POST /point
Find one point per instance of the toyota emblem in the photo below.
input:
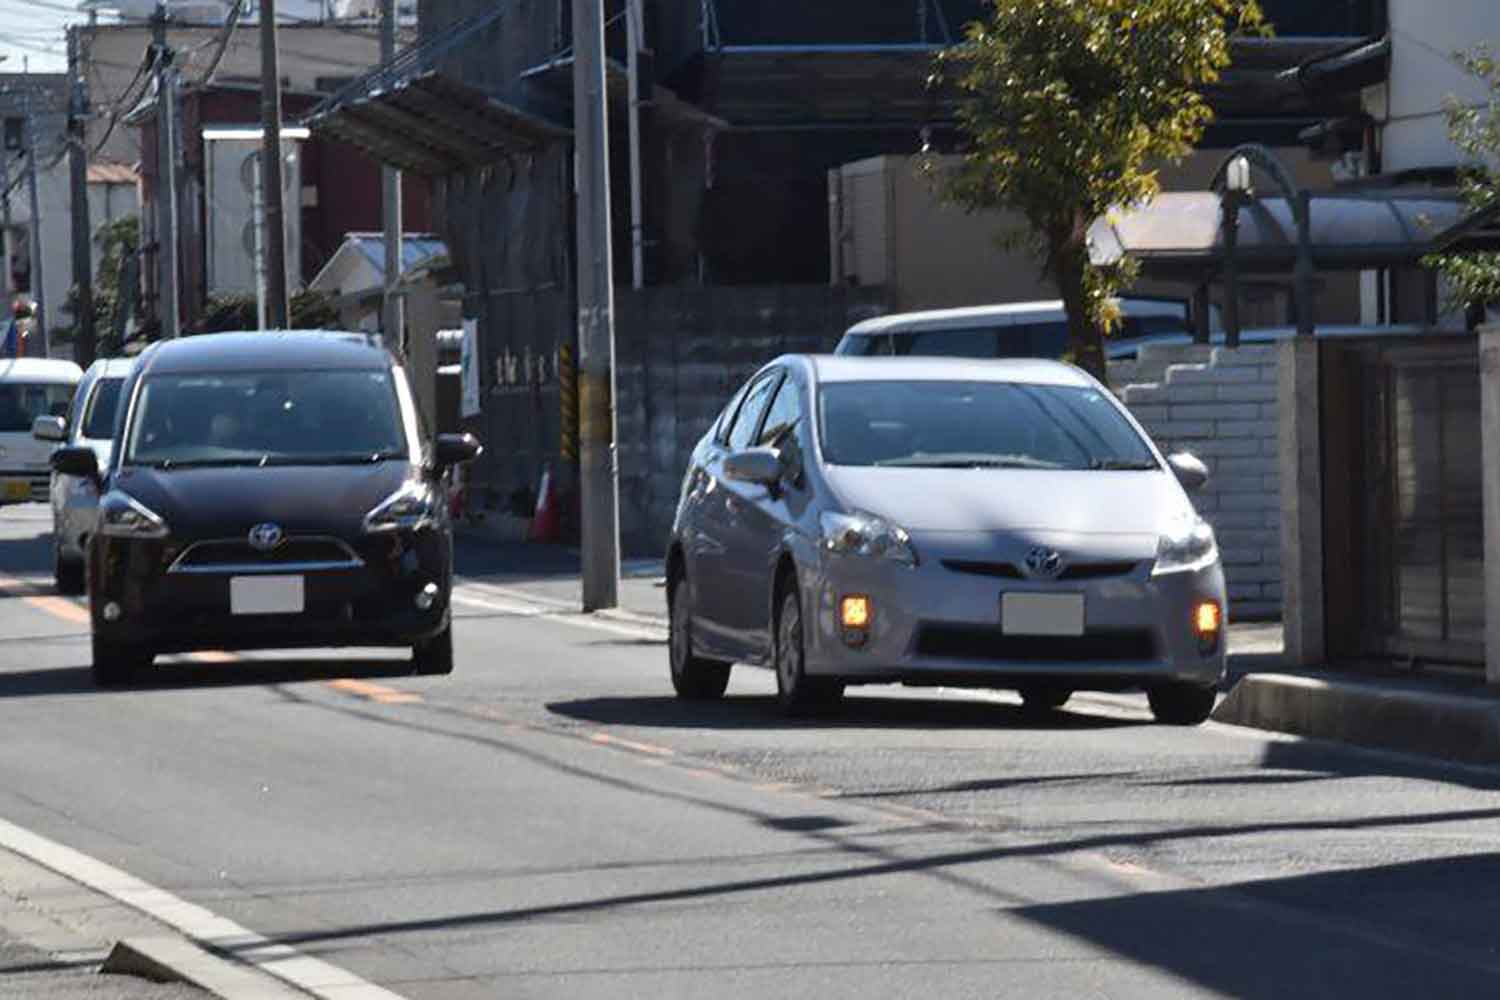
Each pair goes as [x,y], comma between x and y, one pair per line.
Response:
[1044,564]
[266,537]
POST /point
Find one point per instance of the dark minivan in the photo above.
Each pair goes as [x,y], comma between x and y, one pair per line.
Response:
[269,491]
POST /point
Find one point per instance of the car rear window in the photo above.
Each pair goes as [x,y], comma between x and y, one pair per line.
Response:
[99,421]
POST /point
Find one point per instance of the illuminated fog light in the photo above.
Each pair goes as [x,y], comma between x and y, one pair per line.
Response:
[113,612]
[855,612]
[1207,619]
[426,597]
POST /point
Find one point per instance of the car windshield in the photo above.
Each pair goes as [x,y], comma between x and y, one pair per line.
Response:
[977,425]
[99,422]
[22,402]
[266,418]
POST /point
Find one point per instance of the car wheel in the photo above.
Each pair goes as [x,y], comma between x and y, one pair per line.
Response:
[693,677]
[1179,704]
[1039,699]
[116,664]
[68,573]
[797,693]
[435,655]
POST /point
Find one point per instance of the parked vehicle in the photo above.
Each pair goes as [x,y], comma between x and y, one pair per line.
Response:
[30,388]
[75,502]
[942,522]
[269,491]
[1012,330]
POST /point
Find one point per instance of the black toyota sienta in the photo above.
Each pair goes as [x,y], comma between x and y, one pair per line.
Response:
[270,491]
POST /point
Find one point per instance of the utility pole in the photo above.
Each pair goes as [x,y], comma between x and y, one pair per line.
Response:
[393,318]
[5,231]
[277,314]
[38,292]
[169,299]
[85,347]
[598,474]
[634,31]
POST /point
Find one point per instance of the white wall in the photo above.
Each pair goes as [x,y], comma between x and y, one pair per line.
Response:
[1424,38]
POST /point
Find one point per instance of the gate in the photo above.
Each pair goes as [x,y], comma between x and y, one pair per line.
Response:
[1404,512]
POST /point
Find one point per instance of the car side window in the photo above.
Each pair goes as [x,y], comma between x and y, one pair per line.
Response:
[785,411]
[748,420]
[75,411]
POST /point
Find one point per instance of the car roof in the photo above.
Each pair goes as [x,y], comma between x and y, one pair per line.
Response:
[936,319]
[39,369]
[111,367]
[278,350]
[830,368]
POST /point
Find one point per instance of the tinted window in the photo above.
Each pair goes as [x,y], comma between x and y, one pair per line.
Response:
[99,422]
[783,415]
[862,346]
[267,418]
[22,402]
[748,418]
[977,342]
[968,424]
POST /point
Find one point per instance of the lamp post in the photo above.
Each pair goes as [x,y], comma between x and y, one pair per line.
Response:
[1237,192]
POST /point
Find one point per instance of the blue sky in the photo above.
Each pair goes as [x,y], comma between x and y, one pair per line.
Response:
[34,30]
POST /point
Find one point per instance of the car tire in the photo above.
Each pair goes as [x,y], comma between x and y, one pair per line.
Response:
[68,573]
[1040,699]
[798,694]
[1181,704]
[117,664]
[434,656]
[693,677]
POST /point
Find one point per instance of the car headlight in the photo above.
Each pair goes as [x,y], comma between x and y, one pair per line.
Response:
[410,508]
[867,535]
[1186,549]
[123,516]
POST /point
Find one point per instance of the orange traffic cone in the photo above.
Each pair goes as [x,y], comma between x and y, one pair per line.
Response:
[546,522]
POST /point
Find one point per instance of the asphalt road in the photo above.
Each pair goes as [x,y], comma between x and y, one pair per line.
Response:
[549,822]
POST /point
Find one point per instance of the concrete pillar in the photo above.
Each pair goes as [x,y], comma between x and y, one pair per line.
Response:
[1300,454]
[1489,428]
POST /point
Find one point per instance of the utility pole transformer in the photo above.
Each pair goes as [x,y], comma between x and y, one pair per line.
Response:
[393,318]
[85,347]
[598,472]
[169,310]
[278,316]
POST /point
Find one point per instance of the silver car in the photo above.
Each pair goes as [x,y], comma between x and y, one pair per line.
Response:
[75,500]
[929,521]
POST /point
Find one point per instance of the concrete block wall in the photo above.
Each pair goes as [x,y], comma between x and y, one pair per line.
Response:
[1221,405]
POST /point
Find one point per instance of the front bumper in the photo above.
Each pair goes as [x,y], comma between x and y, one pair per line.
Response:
[372,604]
[932,625]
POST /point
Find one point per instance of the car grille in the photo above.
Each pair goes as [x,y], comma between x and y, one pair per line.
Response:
[1008,571]
[990,645]
[299,554]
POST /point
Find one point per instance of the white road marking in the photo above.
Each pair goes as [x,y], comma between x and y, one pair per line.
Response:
[468,597]
[311,975]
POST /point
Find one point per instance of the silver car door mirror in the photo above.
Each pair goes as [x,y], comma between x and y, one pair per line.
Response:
[1190,471]
[761,466]
[49,429]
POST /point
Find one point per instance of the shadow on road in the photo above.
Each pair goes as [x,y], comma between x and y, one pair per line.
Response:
[855,712]
[178,676]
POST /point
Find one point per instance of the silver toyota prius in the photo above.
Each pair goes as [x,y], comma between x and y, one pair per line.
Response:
[928,521]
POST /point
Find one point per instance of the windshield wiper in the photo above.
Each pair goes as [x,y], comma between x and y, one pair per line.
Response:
[976,462]
[168,464]
[372,458]
[1124,464]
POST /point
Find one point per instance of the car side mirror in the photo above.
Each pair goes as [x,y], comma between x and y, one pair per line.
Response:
[761,466]
[76,461]
[1190,471]
[455,449]
[49,429]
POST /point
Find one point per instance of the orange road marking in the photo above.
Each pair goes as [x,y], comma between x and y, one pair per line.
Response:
[647,748]
[375,692]
[60,607]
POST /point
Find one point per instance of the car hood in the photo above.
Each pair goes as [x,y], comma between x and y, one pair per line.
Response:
[228,502]
[1019,501]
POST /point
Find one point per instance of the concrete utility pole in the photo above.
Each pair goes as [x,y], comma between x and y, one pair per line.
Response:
[278,315]
[169,299]
[5,229]
[393,318]
[38,290]
[85,347]
[598,475]
[634,31]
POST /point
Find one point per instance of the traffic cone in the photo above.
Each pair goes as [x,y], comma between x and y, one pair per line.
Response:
[546,522]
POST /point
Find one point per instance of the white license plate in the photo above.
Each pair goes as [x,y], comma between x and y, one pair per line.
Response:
[1041,614]
[266,595]
[17,489]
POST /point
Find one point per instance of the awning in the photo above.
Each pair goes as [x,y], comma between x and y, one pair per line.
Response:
[431,124]
[1179,236]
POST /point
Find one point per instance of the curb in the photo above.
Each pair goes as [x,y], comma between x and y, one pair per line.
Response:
[177,960]
[1446,726]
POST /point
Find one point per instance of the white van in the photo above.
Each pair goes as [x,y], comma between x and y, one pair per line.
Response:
[1013,330]
[30,388]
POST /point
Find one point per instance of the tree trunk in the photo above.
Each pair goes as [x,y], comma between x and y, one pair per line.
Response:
[1085,336]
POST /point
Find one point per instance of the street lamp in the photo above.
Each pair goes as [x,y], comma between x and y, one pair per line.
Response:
[1237,192]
